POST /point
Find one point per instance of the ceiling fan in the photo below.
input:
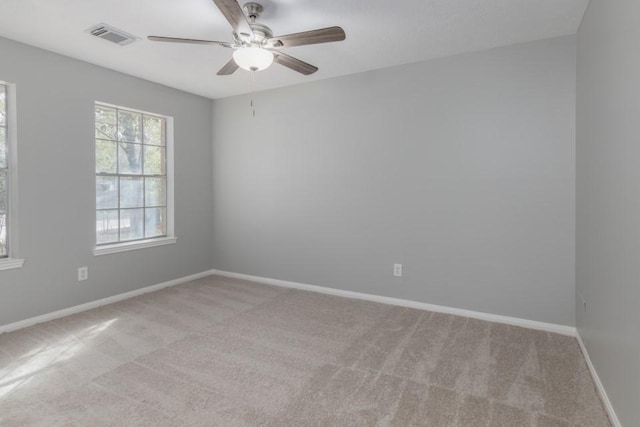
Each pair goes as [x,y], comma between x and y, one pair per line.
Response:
[255,47]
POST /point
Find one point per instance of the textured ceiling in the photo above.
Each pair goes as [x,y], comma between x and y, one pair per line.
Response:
[379,34]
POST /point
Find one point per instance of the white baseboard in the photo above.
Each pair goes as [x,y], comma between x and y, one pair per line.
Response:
[531,324]
[98,303]
[525,323]
[596,379]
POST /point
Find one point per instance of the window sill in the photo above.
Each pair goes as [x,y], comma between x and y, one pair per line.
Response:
[132,246]
[9,263]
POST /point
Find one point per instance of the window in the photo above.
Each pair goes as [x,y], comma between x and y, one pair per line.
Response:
[133,183]
[4,174]
[8,179]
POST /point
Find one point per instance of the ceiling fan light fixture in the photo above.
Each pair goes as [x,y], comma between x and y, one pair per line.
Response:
[253,58]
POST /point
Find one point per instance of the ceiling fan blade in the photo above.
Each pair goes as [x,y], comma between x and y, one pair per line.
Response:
[293,63]
[228,68]
[234,14]
[190,41]
[322,35]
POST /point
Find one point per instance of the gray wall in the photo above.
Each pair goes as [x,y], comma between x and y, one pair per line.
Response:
[462,169]
[608,198]
[57,191]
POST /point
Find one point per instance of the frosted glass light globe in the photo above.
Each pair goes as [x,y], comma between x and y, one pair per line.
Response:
[253,58]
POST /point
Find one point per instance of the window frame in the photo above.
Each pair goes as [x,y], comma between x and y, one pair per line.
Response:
[12,260]
[170,237]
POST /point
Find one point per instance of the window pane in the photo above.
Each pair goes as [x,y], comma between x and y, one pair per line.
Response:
[4,190]
[155,222]
[3,148]
[105,131]
[155,191]
[3,235]
[106,226]
[131,193]
[129,158]
[105,123]
[4,194]
[153,130]
[106,192]
[3,105]
[154,160]
[131,224]
[3,177]
[105,115]
[129,126]
[106,152]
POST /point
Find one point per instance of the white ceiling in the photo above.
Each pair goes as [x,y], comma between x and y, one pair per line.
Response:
[380,33]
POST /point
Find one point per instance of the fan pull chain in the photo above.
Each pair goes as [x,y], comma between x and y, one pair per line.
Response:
[253,91]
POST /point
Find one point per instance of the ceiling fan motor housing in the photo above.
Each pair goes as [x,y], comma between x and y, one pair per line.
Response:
[261,32]
[252,10]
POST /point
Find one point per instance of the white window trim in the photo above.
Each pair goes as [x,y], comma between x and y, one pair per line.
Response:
[132,246]
[13,261]
[170,238]
[10,263]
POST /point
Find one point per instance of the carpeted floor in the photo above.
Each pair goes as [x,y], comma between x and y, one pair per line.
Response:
[224,352]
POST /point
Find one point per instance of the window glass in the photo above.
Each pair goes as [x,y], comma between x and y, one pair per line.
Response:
[131,175]
[4,175]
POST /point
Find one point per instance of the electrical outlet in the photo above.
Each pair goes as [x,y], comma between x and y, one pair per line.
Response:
[397,270]
[83,274]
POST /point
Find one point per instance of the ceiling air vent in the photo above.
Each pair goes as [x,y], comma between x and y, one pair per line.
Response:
[112,34]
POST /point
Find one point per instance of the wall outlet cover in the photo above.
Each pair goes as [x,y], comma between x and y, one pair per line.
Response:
[397,270]
[83,274]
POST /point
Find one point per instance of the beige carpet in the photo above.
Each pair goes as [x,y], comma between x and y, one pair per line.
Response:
[223,352]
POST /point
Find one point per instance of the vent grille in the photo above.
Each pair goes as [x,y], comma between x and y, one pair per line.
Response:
[114,35]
